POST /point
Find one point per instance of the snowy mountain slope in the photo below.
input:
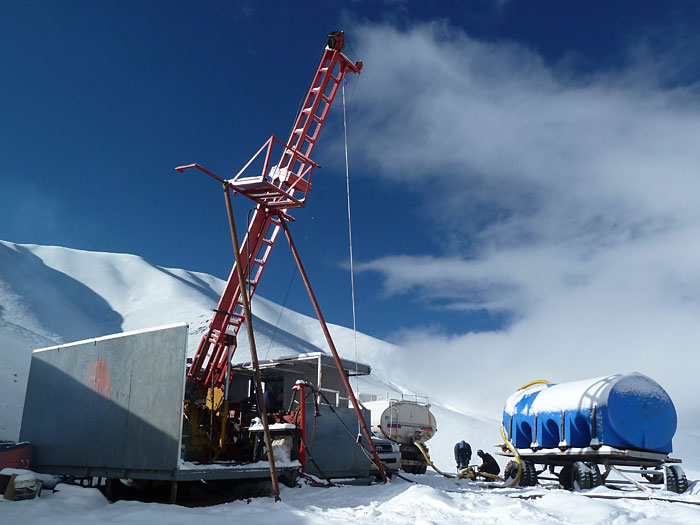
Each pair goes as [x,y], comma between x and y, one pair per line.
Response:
[16,344]
[51,295]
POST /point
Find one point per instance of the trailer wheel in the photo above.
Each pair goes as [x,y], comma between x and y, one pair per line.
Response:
[676,480]
[682,479]
[581,476]
[596,478]
[671,480]
[529,477]
[511,471]
[565,478]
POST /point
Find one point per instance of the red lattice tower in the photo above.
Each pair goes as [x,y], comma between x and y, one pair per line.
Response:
[276,189]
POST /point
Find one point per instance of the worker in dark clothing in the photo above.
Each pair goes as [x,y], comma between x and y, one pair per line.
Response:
[463,455]
[488,464]
[273,399]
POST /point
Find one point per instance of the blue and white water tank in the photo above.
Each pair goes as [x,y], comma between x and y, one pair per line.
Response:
[627,411]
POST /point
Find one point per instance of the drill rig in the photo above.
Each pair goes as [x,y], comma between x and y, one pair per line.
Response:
[278,188]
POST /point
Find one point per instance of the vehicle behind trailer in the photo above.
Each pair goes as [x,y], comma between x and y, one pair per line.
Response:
[407,422]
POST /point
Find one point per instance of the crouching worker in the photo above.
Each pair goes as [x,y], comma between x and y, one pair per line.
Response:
[273,399]
[463,455]
[488,464]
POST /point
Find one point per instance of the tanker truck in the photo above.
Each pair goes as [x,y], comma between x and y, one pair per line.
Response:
[405,421]
[620,424]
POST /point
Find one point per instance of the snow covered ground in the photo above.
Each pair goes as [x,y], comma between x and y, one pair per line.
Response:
[431,500]
[51,295]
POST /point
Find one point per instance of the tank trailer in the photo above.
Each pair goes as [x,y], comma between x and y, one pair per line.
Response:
[583,431]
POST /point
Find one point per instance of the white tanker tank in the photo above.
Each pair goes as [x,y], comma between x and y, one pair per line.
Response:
[404,421]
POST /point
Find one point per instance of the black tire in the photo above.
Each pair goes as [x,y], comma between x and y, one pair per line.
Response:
[671,479]
[581,476]
[422,468]
[529,477]
[511,472]
[681,480]
[596,477]
[565,478]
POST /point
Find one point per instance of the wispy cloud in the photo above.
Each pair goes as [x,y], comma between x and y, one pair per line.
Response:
[570,201]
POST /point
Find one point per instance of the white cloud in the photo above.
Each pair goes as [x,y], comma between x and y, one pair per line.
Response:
[571,202]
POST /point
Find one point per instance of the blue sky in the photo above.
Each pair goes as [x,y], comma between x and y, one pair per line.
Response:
[514,165]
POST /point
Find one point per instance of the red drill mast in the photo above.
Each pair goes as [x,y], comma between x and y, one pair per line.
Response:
[276,189]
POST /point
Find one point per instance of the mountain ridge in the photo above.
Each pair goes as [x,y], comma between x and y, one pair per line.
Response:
[51,295]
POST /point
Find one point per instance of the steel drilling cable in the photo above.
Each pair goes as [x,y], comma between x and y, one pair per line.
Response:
[357,82]
[398,475]
[311,458]
[318,199]
[362,447]
[316,414]
[352,272]
[303,441]
[347,428]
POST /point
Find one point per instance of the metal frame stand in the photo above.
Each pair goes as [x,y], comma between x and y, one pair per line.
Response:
[253,350]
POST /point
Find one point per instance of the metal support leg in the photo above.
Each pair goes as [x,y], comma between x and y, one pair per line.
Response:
[173,492]
[628,478]
[336,357]
[253,351]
